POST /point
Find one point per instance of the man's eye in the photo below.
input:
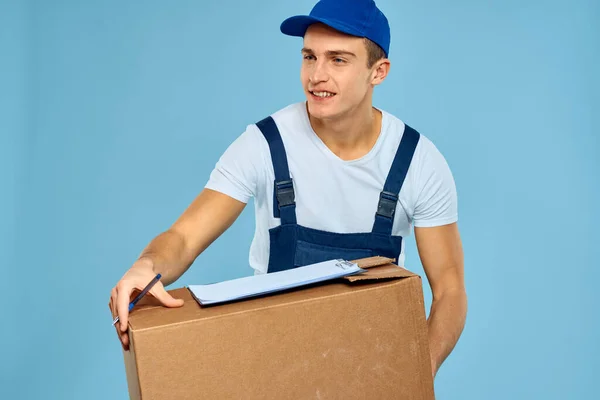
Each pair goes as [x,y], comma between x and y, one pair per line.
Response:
[308,57]
[339,60]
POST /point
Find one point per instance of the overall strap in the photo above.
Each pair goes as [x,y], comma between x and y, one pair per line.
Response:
[284,204]
[388,198]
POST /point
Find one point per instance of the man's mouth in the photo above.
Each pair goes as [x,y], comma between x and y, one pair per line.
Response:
[321,94]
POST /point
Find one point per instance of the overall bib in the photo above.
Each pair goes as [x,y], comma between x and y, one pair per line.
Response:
[293,245]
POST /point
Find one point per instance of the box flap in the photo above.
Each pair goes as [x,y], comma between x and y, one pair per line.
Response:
[375,261]
[378,268]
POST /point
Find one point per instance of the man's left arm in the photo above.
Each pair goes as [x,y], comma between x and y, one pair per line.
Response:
[441,254]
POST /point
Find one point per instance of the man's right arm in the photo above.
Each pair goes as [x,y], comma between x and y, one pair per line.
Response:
[172,252]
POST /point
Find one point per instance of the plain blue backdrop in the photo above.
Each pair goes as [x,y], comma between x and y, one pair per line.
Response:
[113,113]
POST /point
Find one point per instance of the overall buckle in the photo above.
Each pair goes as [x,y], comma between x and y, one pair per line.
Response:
[387,204]
[284,191]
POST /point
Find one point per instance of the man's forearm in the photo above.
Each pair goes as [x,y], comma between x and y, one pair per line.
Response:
[168,255]
[446,322]
[172,252]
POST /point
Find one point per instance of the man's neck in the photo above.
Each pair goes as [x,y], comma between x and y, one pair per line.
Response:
[352,136]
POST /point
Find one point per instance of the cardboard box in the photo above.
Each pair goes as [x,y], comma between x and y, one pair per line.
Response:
[359,337]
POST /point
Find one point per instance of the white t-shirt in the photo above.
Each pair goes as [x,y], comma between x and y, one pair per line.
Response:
[332,194]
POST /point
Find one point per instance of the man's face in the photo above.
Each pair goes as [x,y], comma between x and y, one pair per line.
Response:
[334,72]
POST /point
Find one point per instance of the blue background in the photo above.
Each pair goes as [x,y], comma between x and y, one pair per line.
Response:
[113,113]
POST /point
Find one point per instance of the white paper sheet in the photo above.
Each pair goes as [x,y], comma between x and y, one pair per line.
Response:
[255,285]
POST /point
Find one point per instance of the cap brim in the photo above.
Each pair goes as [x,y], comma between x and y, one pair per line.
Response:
[297,26]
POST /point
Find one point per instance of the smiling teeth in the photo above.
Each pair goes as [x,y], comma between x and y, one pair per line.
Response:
[323,94]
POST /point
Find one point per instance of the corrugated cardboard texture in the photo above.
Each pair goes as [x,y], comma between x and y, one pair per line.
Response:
[335,340]
[371,262]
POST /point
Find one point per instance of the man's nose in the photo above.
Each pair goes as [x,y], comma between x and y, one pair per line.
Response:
[319,72]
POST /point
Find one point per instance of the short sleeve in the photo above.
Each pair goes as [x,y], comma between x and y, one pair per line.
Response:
[436,199]
[238,170]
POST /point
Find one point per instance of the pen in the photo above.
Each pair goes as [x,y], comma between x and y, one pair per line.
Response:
[139,296]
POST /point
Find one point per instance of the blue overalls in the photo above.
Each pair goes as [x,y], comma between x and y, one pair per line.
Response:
[293,245]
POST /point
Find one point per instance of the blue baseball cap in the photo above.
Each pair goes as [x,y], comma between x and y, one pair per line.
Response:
[359,18]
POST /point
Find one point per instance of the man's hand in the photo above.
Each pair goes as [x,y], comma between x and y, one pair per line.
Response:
[441,254]
[172,252]
[135,279]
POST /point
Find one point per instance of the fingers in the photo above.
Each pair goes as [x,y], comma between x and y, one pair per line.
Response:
[123,298]
[124,340]
[123,337]
[113,301]
[165,298]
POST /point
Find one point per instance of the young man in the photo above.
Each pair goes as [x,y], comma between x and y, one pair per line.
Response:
[332,177]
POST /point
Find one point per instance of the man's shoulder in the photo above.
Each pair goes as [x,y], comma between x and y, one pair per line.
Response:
[291,112]
[283,116]
[399,126]
[289,120]
[426,148]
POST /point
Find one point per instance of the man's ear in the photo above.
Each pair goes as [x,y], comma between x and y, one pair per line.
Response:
[380,71]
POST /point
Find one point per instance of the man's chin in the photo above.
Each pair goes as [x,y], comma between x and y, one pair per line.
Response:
[320,110]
